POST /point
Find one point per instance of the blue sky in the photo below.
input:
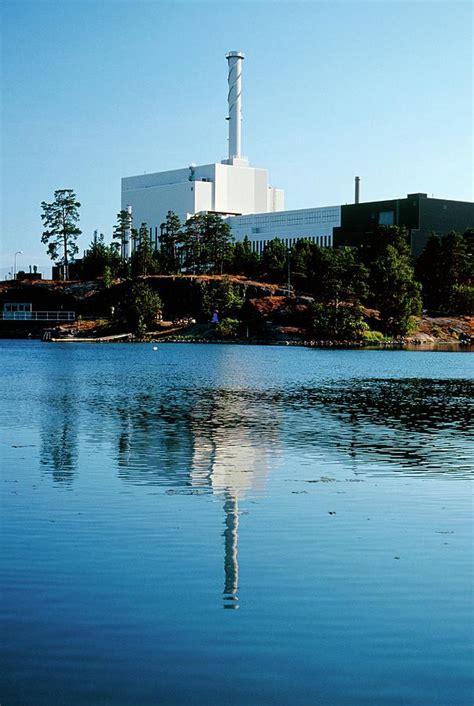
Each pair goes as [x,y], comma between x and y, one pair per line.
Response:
[96,90]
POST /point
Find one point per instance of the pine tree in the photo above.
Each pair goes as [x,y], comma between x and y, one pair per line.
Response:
[122,231]
[397,293]
[169,242]
[428,269]
[243,260]
[274,261]
[98,257]
[394,290]
[61,232]
[456,270]
[143,260]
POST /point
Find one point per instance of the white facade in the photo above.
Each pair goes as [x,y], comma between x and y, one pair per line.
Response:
[231,187]
[314,224]
[219,188]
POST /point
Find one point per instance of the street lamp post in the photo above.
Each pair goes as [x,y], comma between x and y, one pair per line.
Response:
[19,252]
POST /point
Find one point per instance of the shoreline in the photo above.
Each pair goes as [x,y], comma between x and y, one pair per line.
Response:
[127,338]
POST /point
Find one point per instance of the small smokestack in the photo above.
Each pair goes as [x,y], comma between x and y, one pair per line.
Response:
[234,59]
[357,189]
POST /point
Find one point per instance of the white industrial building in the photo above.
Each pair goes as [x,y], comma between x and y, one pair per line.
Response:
[239,193]
[242,196]
[227,188]
[211,188]
[314,224]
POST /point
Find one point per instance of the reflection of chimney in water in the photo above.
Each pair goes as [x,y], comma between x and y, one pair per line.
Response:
[231,564]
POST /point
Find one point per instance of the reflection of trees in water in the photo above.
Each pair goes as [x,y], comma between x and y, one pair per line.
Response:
[154,444]
[413,405]
[414,423]
[59,434]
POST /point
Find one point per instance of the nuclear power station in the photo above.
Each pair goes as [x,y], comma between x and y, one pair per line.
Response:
[230,187]
[241,194]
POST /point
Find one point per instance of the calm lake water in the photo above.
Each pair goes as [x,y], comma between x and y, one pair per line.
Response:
[231,525]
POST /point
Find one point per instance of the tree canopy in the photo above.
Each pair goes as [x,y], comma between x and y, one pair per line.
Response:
[394,290]
[445,269]
[98,257]
[206,243]
[60,220]
[170,238]
[138,308]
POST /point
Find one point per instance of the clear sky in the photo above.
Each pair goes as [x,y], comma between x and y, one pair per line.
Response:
[94,90]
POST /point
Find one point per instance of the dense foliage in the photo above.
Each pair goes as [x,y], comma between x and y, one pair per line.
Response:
[379,275]
[100,260]
[138,309]
[446,271]
[393,289]
[222,297]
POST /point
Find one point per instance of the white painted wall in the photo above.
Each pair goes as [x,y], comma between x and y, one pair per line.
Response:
[151,196]
[275,200]
[240,189]
[224,188]
[315,224]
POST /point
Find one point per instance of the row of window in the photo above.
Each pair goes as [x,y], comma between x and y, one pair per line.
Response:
[324,241]
[321,215]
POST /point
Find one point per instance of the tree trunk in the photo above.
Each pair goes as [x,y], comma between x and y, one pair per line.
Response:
[66,263]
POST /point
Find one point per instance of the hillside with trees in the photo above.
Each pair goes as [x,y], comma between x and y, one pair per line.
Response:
[196,272]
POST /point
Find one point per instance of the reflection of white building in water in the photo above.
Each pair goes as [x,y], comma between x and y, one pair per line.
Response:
[233,442]
[231,188]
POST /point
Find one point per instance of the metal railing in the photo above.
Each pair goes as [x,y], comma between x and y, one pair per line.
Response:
[38,315]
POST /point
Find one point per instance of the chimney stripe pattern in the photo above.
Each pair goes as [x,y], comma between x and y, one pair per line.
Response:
[234,78]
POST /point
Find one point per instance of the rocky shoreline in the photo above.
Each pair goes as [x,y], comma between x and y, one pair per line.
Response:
[271,316]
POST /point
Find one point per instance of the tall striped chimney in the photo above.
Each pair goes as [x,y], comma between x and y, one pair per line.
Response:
[234,60]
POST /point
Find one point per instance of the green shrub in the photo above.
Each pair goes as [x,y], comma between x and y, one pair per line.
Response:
[372,336]
[344,323]
[227,328]
[223,296]
[138,308]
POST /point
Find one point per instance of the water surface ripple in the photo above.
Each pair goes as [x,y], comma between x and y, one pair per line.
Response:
[235,525]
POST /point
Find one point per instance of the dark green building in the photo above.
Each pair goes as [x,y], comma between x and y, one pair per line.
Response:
[420,215]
